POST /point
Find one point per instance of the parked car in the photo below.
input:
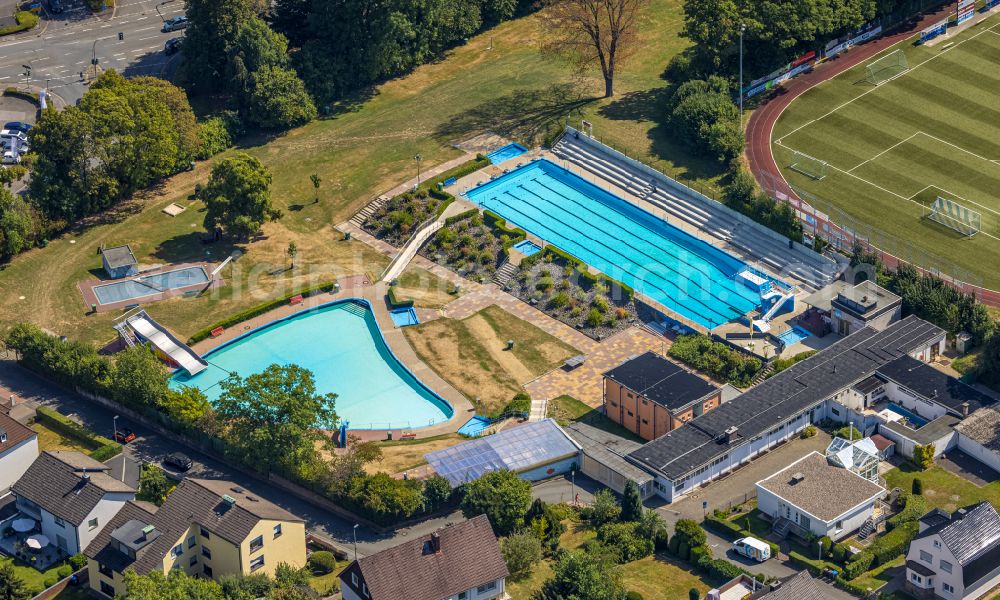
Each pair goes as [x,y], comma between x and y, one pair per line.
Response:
[178,461]
[18,126]
[55,7]
[175,23]
[752,548]
[16,134]
[124,435]
[11,157]
[173,45]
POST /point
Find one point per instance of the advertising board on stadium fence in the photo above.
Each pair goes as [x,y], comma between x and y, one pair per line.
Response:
[934,30]
[965,11]
[991,4]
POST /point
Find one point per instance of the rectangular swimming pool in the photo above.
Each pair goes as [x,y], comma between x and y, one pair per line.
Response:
[150,285]
[677,270]
[506,153]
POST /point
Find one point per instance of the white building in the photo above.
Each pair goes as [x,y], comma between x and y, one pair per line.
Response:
[18,449]
[72,496]
[819,497]
[955,556]
[458,562]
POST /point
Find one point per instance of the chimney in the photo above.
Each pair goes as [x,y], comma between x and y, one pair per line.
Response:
[146,531]
[435,542]
[731,434]
[965,409]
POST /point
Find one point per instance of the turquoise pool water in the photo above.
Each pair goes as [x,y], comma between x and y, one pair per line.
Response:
[793,336]
[506,153]
[527,248]
[150,285]
[915,420]
[679,271]
[343,347]
[404,317]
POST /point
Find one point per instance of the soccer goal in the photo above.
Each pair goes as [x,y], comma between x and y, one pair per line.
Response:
[885,68]
[955,216]
[809,166]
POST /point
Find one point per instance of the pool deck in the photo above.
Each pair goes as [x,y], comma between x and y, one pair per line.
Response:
[360,287]
[87,286]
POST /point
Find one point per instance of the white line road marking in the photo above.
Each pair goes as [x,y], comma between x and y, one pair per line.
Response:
[152,37]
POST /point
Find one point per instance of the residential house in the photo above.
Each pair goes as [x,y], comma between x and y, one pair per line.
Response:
[650,395]
[18,449]
[846,308]
[800,586]
[458,562]
[778,408]
[820,498]
[955,555]
[72,496]
[205,527]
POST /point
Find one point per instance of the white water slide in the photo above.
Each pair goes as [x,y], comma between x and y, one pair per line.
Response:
[164,341]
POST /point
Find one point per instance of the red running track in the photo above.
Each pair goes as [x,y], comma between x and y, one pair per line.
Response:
[761,124]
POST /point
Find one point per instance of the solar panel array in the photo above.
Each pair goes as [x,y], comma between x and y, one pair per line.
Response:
[516,449]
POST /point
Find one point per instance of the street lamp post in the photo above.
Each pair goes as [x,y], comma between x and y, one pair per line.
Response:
[27,77]
[355,532]
[743,29]
[114,421]
[418,158]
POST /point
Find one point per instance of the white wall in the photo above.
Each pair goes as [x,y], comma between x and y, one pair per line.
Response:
[851,521]
[105,510]
[941,577]
[979,452]
[16,461]
[902,396]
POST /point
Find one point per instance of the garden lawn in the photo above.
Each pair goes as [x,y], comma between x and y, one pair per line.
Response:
[34,579]
[565,409]
[49,439]
[658,578]
[879,576]
[943,489]
[470,354]
[424,288]
[359,153]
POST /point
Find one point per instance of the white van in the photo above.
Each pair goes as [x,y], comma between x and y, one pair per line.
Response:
[752,548]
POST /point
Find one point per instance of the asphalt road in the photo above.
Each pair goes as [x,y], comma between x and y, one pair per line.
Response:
[62,45]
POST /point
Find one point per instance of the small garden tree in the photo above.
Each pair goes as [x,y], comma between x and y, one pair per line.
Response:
[604,509]
[500,495]
[238,196]
[923,456]
[12,587]
[631,502]
[521,551]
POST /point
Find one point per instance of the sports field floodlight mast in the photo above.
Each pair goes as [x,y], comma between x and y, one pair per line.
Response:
[743,29]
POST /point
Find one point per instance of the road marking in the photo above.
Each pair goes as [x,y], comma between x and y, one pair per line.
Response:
[152,37]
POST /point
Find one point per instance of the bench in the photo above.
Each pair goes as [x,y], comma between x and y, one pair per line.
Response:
[296,299]
[408,436]
[575,362]
[218,331]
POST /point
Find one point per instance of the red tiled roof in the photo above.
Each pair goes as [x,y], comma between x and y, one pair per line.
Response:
[881,442]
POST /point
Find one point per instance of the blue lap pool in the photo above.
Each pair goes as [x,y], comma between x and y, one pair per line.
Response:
[527,248]
[793,336]
[671,267]
[506,153]
[342,345]
[914,420]
[149,285]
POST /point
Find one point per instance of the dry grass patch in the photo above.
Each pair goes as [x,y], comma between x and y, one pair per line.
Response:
[424,288]
[399,456]
[470,354]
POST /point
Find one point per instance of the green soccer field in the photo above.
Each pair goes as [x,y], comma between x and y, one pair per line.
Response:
[891,149]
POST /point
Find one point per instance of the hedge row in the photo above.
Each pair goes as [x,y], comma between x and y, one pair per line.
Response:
[915,507]
[725,527]
[461,216]
[260,309]
[882,550]
[816,567]
[499,224]
[23,95]
[25,20]
[397,302]
[103,447]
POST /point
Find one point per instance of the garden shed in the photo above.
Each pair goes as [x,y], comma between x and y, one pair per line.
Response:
[119,262]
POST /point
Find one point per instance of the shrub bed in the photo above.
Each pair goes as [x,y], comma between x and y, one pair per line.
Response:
[25,20]
[395,301]
[13,92]
[473,246]
[715,358]
[260,309]
[561,286]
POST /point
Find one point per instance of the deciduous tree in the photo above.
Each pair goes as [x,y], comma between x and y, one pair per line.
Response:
[500,495]
[583,576]
[238,196]
[521,551]
[589,33]
[175,586]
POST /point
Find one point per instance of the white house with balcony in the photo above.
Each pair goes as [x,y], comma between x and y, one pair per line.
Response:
[955,555]
[71,497]
[18,449]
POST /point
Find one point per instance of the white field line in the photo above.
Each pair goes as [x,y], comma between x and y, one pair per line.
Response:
[889,149]
[954,146]
[888,191]
[893,78]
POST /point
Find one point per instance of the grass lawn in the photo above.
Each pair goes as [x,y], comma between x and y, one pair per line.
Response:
[943,489]
[424,288]
[659,578]
[401,455]
[512,89]
[34,579]
[878,576]
[892,149]
[74,592]
[49,439]
[470,354]
[565,409]
[329,583]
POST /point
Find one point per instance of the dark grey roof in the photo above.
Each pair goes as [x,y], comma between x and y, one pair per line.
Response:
[935,517]
[800,586]
[194,501]
[969,532]
[919,568]
[468,556]
[661,381]
[868,385]
[101,550]
[983,427]
[981,566]
[608,449]
[119,256]
[795,390]
[929,433]
[934,385]
[133,535]
[67,484]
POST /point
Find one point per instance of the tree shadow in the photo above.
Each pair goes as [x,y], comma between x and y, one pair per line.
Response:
[523,115]
[644,105]
[190,247]
[115,214]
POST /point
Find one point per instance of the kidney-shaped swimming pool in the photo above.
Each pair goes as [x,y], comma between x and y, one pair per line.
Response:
[343,347]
